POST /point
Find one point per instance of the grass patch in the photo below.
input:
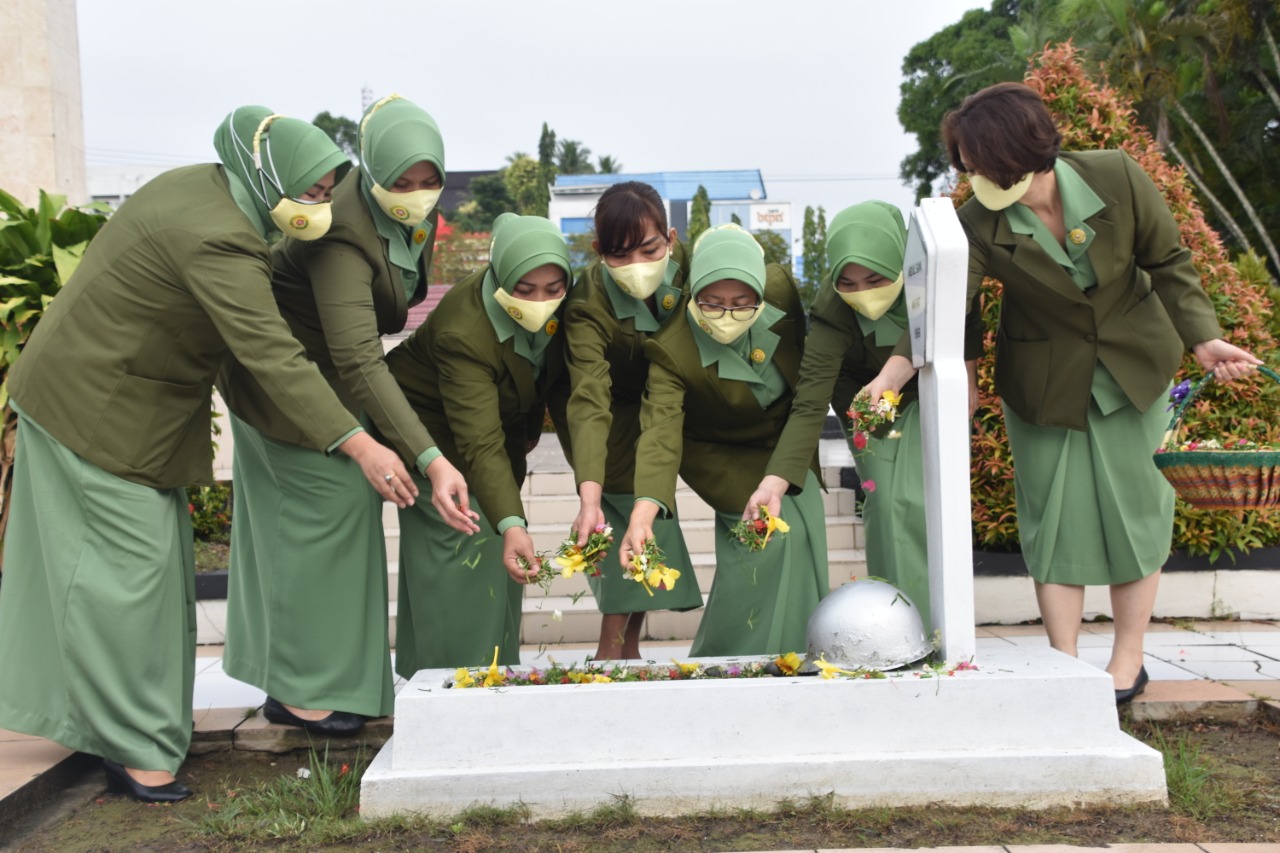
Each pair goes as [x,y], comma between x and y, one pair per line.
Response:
[1193,790]
[318,802]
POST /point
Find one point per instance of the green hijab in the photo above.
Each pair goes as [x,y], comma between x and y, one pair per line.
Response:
[728,252]
[521,244]
[293,156]
[394,134]
[874,235]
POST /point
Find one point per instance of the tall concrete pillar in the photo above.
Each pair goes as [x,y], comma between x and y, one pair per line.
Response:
[41,123]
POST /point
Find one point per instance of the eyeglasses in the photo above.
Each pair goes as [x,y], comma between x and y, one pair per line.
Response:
[713,311]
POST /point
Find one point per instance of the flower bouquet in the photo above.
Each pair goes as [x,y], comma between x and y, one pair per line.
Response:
[872,418]
[1229,474]
[571,559]
[755,532]
[647,569]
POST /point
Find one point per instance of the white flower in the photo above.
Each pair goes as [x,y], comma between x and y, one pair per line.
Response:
[894,434]
[557,616]
[304,773]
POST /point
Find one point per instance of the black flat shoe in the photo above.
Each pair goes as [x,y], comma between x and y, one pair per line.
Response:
[120,782]
[1124,697]
[337,724]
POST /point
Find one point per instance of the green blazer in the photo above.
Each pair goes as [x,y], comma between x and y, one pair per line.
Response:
[339,295]
[608,371]
[476,396]
[839,360]
[121,368]
[1146,310]
[713,432]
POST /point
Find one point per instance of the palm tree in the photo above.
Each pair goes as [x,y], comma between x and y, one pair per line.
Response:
[573,158]
[1158,51]
[608,165]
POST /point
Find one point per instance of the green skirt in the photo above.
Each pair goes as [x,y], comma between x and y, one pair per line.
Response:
[97,613]
[893,514]
[616,593]
[760,601]
[455,601]
[307,588]
[1093,509]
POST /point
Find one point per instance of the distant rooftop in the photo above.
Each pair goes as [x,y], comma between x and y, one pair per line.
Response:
[721,184]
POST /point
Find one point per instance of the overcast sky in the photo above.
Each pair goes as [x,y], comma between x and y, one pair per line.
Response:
[806,91]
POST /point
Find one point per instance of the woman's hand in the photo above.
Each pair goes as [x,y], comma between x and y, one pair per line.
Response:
[517,545]
[1227,361]
[769,495]
[896,373]
[382,468]
[590,516]
[449,496]
[639,531]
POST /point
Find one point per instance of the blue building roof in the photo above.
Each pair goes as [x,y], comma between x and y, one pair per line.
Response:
[721,184]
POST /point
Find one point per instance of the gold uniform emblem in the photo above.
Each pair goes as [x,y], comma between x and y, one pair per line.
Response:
[668,302]
[757,355]
[420,236]
[552,325]
[1077,236]
[515,312]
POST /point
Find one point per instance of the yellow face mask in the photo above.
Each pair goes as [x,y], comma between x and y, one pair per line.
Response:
[992,196]
[406,208]
[301,220]
[530,315]
[725,329]
[873,303]
[640,281]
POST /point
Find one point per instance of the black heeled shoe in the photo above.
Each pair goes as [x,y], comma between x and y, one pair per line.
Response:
[1124,697]
[120,782]
[337,724]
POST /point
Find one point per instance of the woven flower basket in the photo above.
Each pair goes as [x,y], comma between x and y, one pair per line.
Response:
[1237,480]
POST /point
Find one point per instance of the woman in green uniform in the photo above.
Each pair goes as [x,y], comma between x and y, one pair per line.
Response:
[719,393]
[307,601]
[855,324]
[1100,302]
[635,285]
[480,373]
[114,394]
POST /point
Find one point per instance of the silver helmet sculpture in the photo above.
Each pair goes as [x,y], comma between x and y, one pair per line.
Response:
[867,623]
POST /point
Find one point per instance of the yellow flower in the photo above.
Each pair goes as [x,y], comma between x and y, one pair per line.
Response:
[686,668]
[601,678]
[893,397]
[571,564]
[788,663]
[495,677]
[636,571]
[773,523]
[662,577]
[462,678]
[830,670]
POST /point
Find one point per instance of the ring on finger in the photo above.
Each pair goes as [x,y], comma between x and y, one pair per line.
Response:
[388,478]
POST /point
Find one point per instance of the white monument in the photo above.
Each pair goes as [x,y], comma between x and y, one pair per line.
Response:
[41,125]
[1019,726]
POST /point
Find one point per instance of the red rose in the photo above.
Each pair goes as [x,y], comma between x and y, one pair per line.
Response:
[760,525]
[860,440]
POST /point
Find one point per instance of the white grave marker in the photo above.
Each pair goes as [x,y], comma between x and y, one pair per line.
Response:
[936,270]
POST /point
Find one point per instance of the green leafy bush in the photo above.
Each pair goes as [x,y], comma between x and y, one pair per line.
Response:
[39,249]
[210,508]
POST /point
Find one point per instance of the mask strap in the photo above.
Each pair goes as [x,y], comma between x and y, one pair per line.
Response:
[364,123]
[274,176]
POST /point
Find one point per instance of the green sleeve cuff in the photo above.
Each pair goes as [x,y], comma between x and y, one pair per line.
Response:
[426,457]
[666,513]
[511,521]
[331,448]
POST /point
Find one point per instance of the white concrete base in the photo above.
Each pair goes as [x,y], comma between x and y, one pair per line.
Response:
[1031,727]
